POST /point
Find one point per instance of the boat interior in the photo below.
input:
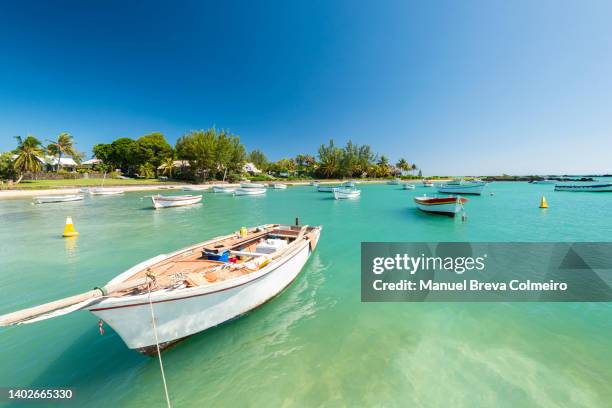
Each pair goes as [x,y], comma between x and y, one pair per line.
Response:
[244,252]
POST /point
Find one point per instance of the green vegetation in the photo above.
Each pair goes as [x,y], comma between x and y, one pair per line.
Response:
[91,182]
[198,155]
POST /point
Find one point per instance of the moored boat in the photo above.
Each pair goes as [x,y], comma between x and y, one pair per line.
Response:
[252,185]
[428,183]
[409,186]
[584,187]
[545,181]
[101,191]
[250,191]
[327,188]
[462,187]
[160,201]
[394,182]
[192,289]
[440,205]
[197,187]
[346,193]
[278,186]
[58,198]
[219,188]
[348,184]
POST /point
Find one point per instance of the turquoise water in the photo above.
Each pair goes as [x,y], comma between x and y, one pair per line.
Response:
[316,344]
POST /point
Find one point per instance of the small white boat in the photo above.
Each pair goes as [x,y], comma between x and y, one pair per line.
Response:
[327,188]
[160,201]
[197,187]
[100,191]
[440,205]
[409,186]
[84,190]
[348,184]
[250,191]
[394,182]
[462,187]
[252,185]
[545,181]
[346,193]
[223,189]
[428,183]
[192,289]
[58,198]
[314,183]
[278,186]
[584,187]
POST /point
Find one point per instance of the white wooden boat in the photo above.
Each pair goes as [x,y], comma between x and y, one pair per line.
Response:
[192,289]
[252,185]
[278,186]
[409,186]
[440,205]
[346,193]
[585,187]
[428,183]
[249,191]
[160,201]
[394,182]
[100,191]
[462,187]
[220,188]
[197,187]
[327,188]
[545,181]
[58,198]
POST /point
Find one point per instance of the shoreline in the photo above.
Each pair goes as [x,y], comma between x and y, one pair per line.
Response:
[26,193]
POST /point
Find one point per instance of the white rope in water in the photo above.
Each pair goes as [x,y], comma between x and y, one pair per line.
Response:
[161,365]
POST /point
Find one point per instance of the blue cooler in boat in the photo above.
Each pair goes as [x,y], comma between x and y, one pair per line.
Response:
[222,257]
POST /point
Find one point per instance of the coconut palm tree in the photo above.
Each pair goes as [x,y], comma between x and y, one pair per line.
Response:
[167,166]
[413,168]
[63,146]
[28,153]
[146,171]
[402,165]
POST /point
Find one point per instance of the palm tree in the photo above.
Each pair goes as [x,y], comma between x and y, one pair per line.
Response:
[167,166]
[63,146]
[28,153]
[413,167]
[402,165]
[146,171]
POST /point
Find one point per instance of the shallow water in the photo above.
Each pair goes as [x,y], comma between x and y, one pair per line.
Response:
[315,344]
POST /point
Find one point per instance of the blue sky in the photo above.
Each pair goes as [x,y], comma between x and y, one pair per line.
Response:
[471,87]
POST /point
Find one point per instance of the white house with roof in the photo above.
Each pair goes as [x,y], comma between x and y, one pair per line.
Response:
[51,162]
[250,168]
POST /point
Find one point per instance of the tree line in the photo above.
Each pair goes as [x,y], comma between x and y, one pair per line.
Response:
[209,154]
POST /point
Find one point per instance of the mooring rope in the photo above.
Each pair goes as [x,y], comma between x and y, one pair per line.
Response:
[161,365]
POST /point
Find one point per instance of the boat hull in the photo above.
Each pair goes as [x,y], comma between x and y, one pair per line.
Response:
[595,188]
[196,188]
[340,194]
[474,189]
[327,189]
[223,189]
[279,186]
[58,199]
[189,311]
[176,201]
[252,185]
[445,206]
[250,191]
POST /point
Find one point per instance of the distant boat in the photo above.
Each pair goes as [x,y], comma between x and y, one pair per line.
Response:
[409,186]
[160,201]
[346,193]
[440,205]
[314,183]
[327,188]
[84,190]
[586,187]
[428,183]
[394,182]
[545,181]
[252,185]
[278,186]
[197,187]
[348,184]
[105,191]
[462,187]
[58,198]
[249,191]
[223,189]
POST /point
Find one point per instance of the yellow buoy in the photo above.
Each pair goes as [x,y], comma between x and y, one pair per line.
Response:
[243,232]
[543,203]
[69,228]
